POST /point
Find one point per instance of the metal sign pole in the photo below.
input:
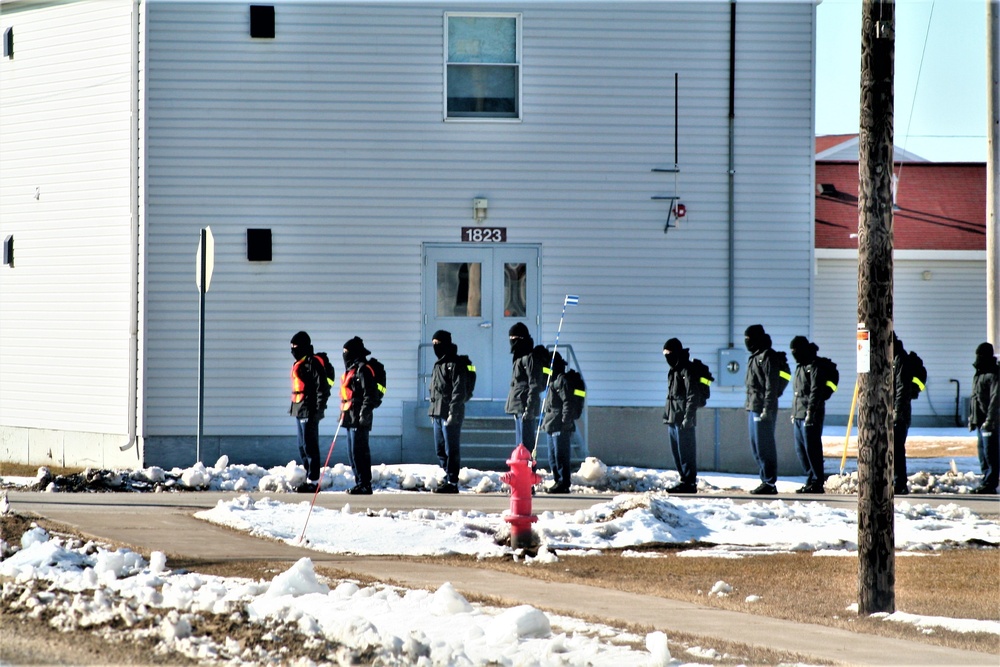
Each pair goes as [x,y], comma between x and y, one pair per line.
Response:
[202,288]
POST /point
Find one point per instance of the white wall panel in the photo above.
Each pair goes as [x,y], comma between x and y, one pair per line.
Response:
[64,196]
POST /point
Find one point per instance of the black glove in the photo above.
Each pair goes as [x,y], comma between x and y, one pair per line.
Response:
[809,419]
[766,416]
[987,429]
[687,423]
[972,426]
[365,421]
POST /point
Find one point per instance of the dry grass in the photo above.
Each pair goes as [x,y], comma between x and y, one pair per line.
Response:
[917,447]
[8,469]
[801,587]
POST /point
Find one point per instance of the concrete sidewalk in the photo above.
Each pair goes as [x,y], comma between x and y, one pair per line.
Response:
[164,522]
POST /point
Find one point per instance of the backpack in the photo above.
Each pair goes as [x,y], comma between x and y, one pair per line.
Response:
[918,373]
[702,386]
[578,393]
[784,370]
[468,369]
[378,370]
[329,375]
[829,376]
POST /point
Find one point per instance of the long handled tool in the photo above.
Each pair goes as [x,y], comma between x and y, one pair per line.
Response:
[570,300]
[326,463]
[850,421]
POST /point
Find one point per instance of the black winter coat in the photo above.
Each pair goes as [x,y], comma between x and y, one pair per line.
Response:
[902,378]
[681,406]
[558,415]
[447,390]
[762,383]
[358,393]
[984,408]
[808,402]
[527,381]
[309,388]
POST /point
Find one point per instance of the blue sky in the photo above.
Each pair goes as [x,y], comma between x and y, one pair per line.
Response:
[940,75]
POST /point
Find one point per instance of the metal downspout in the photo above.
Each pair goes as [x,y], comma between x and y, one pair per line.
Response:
[732,173]
[133,337]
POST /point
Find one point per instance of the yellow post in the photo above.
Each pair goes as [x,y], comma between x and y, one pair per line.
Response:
[850,421]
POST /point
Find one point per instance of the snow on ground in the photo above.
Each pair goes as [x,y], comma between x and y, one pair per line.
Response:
[82,585]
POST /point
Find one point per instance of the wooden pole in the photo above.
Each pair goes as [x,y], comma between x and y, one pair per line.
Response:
[876,555]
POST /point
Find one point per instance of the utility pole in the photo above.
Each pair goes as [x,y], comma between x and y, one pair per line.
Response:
[876,531]
[992,175]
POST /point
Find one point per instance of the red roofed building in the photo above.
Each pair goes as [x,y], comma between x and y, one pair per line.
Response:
[939,268]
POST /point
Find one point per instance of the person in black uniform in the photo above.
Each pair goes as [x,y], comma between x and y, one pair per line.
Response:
[808,413]
[310,393]
[526,385]
[447,408]
[358,389]
[680,414]
[762,406]
[984,416]
[902,414]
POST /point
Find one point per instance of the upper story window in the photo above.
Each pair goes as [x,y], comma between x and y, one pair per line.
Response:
[483,68]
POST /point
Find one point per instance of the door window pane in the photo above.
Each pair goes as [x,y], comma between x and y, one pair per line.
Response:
[515,290]
[459,289]
[482,67]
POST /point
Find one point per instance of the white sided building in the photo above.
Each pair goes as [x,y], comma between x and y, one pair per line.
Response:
[387,169]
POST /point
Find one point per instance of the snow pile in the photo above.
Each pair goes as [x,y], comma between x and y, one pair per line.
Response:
[625,522]
[294,617]
[936,476]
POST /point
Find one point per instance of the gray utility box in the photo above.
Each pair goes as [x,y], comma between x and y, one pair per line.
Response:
[732,367]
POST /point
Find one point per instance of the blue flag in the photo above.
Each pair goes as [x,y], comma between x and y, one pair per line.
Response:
[571,300]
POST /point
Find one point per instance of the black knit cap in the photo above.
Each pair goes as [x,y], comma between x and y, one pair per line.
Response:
[799,343]
[442,336]
[984,350]
[301,339]
[519,329]
[754,332]
[673,345]
[356,347]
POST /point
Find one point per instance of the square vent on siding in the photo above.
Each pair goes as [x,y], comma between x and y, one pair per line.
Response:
[262,21]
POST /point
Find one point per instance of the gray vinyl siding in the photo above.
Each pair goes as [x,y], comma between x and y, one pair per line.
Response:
[332,136]
[943,319]
[65,135]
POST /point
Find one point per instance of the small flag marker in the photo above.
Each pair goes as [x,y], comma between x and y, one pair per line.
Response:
[571,300]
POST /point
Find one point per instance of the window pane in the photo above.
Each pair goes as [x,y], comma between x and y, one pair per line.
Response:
[482,39]
[515,290]
[478,89]
[459,289]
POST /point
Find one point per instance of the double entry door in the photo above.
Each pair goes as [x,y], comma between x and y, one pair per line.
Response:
[477,292]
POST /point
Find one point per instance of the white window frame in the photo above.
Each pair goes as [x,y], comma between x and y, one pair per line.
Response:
[518,64]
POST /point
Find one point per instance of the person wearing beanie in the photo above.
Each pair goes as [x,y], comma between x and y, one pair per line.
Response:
[679,415]
[527,381]
[762,406]
[358,397]
[808,413]
[984,417]
[558,424]
[902,414]
[310,392]
[447,408]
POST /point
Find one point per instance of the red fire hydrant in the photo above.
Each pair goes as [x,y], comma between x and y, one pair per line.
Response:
[521,478]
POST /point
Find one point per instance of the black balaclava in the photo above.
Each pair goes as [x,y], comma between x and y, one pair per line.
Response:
[755,338]
[674,352]
[441,343]
[897,346]
[803,351]
[354,351]
[520,340]
[985,361]
[301,345]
